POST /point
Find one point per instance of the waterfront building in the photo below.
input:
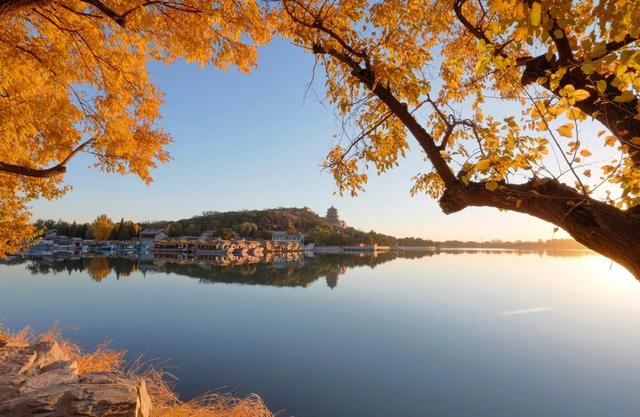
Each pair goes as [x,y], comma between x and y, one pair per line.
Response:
[282,236]
[149,236]
[53,243]
[208,235]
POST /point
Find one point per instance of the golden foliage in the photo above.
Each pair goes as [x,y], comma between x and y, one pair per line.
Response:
[445,70]
[102,227]
[99,268]
[490,90]
[74,77]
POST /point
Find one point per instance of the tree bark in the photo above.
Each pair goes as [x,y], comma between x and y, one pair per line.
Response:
[32,172]
[605,229]
[53,171]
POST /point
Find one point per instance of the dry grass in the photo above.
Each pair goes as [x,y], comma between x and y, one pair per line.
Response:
[19,338]
[102,359]
[165,401]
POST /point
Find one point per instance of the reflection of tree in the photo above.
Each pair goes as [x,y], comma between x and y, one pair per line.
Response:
[98,268]
[123,267]
[297,273]
[274,271]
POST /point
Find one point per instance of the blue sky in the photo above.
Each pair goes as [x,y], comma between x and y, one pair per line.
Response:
[254,141]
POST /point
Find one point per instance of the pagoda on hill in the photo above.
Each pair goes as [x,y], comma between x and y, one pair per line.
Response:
[333,219]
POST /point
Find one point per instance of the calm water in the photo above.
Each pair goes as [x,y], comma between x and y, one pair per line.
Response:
[466,334]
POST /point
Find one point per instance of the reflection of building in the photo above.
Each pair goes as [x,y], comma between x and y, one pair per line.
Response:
[274,269]
[333,218]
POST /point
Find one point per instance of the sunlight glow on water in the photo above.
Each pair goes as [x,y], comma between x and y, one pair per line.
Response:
[455,334]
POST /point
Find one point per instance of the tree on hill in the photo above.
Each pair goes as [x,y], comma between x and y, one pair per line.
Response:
[248,229]
[432,73]
[248,223]
[225,233]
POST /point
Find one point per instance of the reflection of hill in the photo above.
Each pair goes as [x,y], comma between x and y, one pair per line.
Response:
[299,273]
[278,272]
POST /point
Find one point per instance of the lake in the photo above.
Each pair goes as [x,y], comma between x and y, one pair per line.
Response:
[458,334]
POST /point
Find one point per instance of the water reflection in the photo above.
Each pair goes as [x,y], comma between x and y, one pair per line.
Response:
[290,270]
[456,333]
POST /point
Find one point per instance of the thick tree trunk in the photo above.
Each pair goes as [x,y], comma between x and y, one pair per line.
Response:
[605,229]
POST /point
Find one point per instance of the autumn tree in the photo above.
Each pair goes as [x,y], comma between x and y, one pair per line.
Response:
[523,105]
[102,227]
[248,229]
[74,79]
[225,233]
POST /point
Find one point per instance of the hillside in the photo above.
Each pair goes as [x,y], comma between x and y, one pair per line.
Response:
[248,222]
[261,223]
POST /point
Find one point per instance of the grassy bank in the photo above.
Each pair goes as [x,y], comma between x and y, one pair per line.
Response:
[165,401]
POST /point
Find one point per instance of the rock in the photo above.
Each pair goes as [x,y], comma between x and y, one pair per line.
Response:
[41,380]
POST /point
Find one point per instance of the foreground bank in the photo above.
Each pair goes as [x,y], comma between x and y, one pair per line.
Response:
[51,377]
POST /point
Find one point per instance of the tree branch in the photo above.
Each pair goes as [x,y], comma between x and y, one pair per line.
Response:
[120,18]
[55,170]
[367,77]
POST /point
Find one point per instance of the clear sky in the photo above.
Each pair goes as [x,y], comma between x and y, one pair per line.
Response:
[254,141]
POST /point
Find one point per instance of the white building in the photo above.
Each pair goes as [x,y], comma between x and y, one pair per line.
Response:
[281,236]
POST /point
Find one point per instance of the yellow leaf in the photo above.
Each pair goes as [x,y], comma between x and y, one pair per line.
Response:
[566,130]
[624,97]
[635,140]
[558,34]
[599,49]
[585,153]
[588,68]
[536,13]
[601,86]
[483,164]
[581,94]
